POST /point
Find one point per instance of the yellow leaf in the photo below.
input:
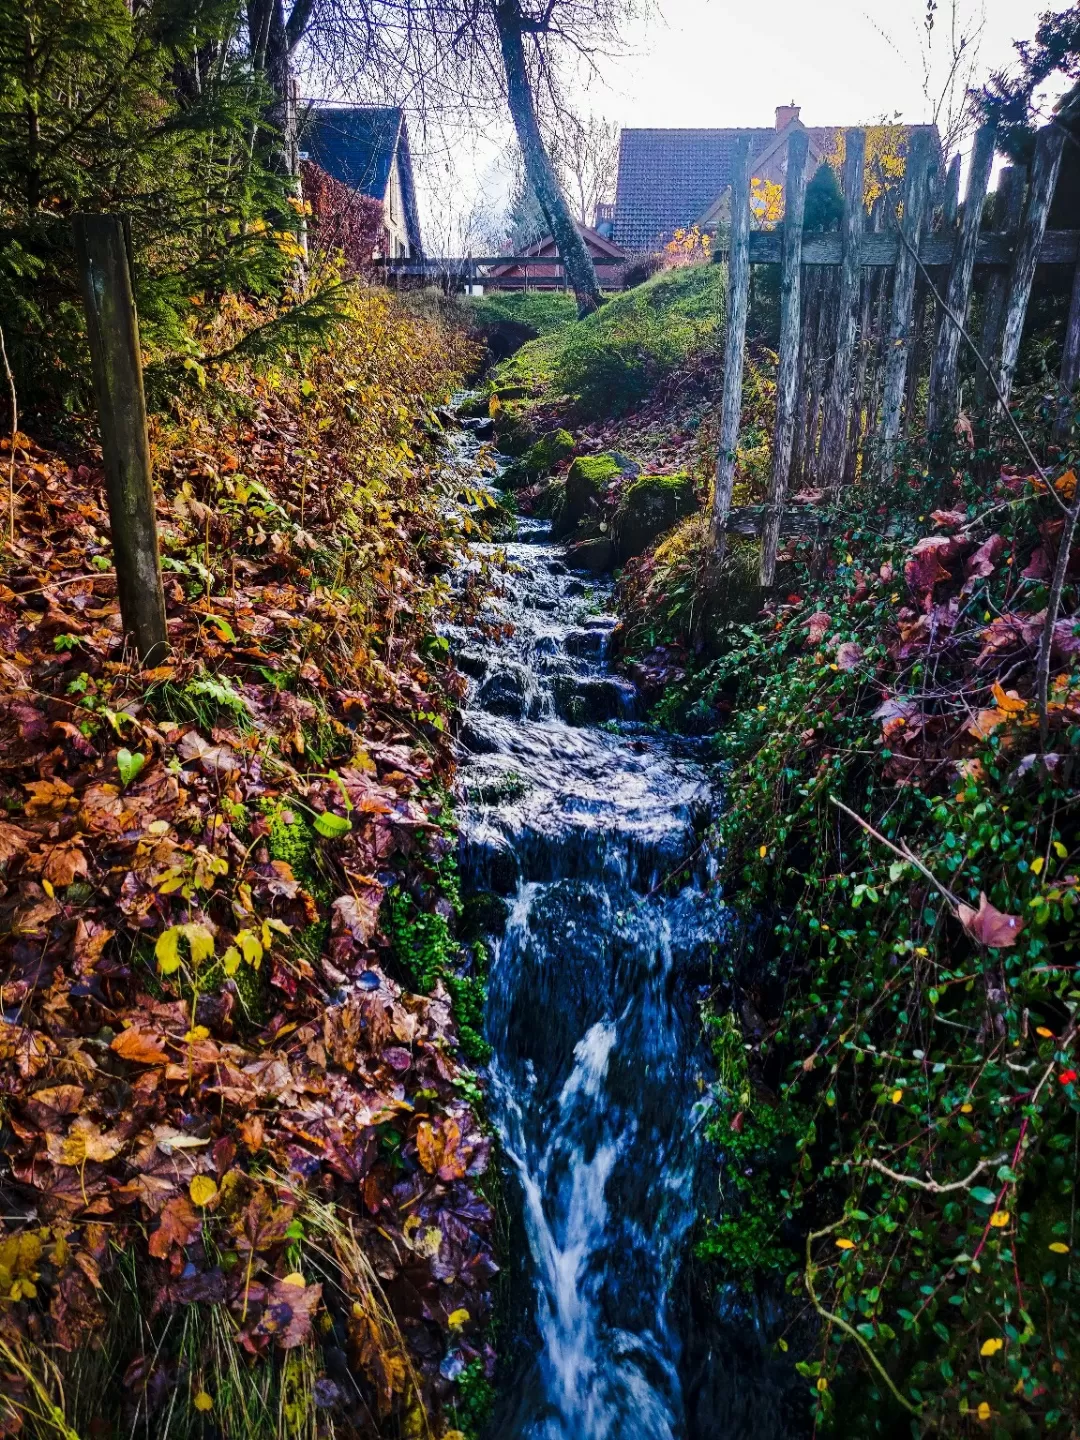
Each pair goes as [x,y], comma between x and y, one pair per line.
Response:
[167,950]
[1044,1032]
[201,942]
[1059,1247]
[197,1032]
[983,1411]
[295,1279]
[822,1384]
[250,948]
[203,1401]
[231,960]
[966,1109]
[782,1344]
[47,886]
[845,1244]
[457,1319]
[999,1219]
[763,851]
[896,1096]
[1059,850]
[1037,865]
[202,1190]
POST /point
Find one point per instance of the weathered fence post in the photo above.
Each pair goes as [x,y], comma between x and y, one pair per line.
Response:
[1044,173]
[903,296]
[1010,195]
[950,199]
[834,432]
[116,360]
[943,370]
[790,286]
[1069,374]
[734,344]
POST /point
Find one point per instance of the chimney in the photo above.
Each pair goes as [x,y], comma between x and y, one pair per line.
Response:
[785,114]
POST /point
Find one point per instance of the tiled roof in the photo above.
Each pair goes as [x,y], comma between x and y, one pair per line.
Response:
[669,178]
[356,145]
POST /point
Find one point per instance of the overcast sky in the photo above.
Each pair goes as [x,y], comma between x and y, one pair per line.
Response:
[731,62]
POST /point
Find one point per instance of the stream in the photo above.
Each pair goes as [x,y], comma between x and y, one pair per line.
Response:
[589,825]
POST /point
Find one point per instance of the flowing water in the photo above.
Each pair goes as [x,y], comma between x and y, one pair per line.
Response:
[591,827]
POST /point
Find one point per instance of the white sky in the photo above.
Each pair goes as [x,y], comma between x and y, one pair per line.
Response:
[730,62]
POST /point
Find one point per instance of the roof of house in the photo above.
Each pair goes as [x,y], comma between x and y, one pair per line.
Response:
[600,247]
[356,144]
[671,178]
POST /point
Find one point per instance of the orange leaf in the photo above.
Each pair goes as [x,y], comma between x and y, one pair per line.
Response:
[142,1047]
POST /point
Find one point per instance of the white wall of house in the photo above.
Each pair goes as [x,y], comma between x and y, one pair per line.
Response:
[397,235]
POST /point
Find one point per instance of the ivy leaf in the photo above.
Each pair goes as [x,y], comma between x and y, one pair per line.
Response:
[983,1195]
[129,765]
[332,826]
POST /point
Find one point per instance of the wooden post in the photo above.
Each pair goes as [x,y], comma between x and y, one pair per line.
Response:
[835,429]
[1011,206]
[734,344]
[903,297]
[1044,173]
[950,200]
[116,361]
[790,285]
[1069,375]
[943,371]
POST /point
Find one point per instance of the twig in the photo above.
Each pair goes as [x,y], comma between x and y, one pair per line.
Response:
[932,1186]
[1053,605]
[902,850]
[14,435]
[843,1325]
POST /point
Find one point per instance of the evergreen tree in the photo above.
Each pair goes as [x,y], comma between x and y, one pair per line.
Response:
[151,112]
[824,200]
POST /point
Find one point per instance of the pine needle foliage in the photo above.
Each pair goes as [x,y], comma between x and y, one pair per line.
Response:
[150,111]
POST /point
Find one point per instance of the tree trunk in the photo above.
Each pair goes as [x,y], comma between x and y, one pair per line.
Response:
[577,262]
[272,43]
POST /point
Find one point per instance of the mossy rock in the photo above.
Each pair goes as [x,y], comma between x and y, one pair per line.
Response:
[651,506]
[514,433]
[511,392]
[585,482]
[540,460]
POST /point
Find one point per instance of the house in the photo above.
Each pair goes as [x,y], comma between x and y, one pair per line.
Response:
[608,258]
[366,147]
[674,179]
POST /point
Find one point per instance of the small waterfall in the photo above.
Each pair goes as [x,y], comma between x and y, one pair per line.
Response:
[591,827]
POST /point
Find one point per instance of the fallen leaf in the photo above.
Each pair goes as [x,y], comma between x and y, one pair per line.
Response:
[202,1190]
[142,1047]
[990,926]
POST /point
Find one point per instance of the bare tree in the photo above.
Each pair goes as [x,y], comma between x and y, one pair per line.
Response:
[461,58]
[588,157]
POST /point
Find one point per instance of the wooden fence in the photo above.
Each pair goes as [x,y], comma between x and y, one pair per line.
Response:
[868,312]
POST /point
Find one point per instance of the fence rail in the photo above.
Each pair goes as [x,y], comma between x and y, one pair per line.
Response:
[870,311]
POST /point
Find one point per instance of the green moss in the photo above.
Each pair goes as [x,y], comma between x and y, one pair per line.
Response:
[550,450]
[651,506]
[585,481]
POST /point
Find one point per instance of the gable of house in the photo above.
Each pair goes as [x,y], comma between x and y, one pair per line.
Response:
[367,148]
